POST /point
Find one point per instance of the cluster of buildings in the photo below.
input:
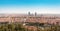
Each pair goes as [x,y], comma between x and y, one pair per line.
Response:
[31,18]
[40,18]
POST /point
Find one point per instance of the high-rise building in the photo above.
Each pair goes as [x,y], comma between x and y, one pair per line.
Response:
[35,13]
[28,13]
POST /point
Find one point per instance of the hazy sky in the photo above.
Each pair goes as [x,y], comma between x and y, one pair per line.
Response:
[24,6]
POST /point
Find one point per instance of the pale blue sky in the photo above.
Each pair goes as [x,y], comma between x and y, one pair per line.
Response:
[24,6]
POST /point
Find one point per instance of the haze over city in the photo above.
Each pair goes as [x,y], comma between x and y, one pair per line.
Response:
[29,15]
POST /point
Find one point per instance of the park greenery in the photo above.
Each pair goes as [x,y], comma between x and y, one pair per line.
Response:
[20,27]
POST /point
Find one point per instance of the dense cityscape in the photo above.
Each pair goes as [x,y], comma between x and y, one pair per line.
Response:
[29,22]
[29,15]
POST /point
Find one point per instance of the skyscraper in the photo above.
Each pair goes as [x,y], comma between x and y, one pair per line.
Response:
[35,13]
[28,13]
